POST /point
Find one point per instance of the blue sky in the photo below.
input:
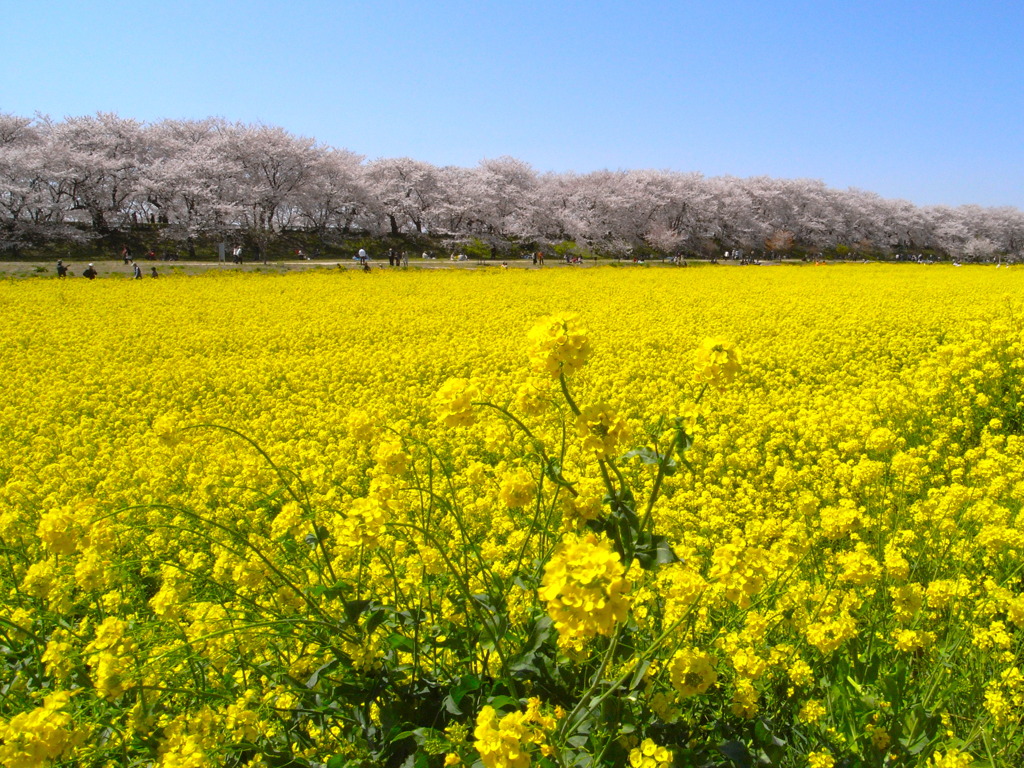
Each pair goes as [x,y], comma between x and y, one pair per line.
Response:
[916,100]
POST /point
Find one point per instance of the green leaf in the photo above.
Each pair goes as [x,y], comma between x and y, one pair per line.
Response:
[638,674]
[652,551]
[354,609]
[315,677]
[452,706]
[466,684]
[401,643]
[500,702]
[646,455]
[737,753]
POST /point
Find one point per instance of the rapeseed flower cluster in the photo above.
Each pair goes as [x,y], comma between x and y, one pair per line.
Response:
[512,740]
[559,345]
[584,589]
[603,431]
[692,672]
[650,755]
[717,362]
[32,739]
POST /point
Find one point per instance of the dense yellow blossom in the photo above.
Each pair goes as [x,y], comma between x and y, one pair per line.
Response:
[603,431]
[277,492]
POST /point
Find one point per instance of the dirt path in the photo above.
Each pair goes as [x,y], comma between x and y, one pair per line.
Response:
[116,268]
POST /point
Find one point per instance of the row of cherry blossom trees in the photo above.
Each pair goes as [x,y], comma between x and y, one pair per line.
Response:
[193,180]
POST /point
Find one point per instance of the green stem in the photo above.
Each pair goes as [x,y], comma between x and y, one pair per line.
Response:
[568,398]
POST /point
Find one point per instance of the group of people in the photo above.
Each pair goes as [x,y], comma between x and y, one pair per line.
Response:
[91,273]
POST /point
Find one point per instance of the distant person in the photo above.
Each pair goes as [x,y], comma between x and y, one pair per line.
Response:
[137,272]
[154,274]
[362,256]
[237,254]
[62,270]
[126,254]
[90,272]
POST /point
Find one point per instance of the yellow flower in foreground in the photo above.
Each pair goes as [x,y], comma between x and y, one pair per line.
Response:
[650,755]
[518,488]
[718,362]
[31,739]
[454,402]
[585,589]
[954,758]
[692,672]
[559,344]
[59,531]
[507,741]
[602,429]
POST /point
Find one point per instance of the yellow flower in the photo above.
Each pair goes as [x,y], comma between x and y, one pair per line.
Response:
[718,362]
[650,755]
[59,531]
[692,672]
[602,429]
[509,741]
[740,569]
[111,657]
[812,711]
[518,488]
[32,739]
[952,758]
[454,402]
[559,345]
[584,587]
[363,524]
[391,457]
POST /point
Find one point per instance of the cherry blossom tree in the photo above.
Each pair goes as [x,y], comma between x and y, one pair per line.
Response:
[21,174]
[192,179]
[272,168]
[95,162]
[336,195]
[188,180]
[405,192]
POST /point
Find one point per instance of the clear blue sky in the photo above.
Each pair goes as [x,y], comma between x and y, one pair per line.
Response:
[921,100]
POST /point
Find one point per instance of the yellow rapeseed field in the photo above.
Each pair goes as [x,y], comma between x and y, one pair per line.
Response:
[617,516]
